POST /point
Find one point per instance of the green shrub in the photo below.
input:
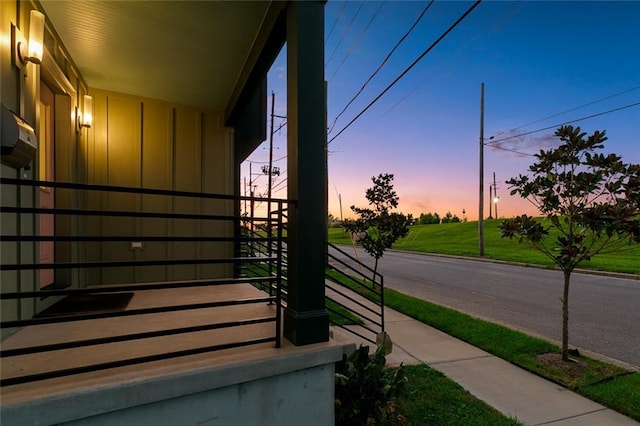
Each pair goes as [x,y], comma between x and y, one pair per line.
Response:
[365,389]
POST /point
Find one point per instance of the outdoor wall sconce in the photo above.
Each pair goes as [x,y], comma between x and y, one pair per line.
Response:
[85,119]
[31,50]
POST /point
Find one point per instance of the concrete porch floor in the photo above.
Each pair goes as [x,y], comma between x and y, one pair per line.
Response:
[78,330]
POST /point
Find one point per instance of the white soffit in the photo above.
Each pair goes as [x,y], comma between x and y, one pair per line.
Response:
[189,52]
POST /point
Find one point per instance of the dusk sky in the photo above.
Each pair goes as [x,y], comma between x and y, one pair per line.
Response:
[543,63]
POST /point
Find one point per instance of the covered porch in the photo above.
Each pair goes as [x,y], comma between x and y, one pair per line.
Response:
[179,101]
[214,378]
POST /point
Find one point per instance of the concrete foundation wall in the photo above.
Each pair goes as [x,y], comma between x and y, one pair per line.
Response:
[261,386]
[299,398]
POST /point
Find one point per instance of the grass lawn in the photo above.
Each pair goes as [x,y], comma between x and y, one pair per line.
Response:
[430,398]
[341,316]
[605,383]
[608,384]
[337,314]
[461,239]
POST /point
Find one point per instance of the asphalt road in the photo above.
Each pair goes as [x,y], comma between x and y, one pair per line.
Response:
[604,312]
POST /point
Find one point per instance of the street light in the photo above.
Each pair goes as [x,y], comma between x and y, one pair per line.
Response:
[495,197]
[490,200]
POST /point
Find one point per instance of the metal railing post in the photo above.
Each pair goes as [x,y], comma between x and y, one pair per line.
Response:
[279,278]
[269,244]
[382,302]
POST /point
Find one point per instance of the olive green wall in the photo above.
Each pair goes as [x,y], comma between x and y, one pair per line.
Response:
[134,142]
[149,143]
[19,91]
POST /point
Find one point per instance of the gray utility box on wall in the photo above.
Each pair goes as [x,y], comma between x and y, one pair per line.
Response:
[18,144]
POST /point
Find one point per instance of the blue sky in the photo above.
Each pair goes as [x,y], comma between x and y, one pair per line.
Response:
[536,58]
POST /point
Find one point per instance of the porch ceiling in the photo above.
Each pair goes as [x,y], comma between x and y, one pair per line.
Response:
[189,52]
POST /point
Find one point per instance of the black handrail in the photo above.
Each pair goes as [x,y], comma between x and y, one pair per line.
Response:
[134,190]
[344,287]
[274,279]
[352,286]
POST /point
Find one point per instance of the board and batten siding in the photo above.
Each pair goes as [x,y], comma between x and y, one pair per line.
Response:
[20,92]
[147,143]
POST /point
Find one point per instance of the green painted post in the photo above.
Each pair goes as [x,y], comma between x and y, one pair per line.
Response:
[306,319]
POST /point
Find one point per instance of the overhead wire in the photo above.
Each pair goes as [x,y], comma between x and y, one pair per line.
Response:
[382,64]
[358,39]
[279,184]
[512,150]
[265,162]
[491,142]
[413,64]
[506,17]
[345,32]
[338,16]
[579,107]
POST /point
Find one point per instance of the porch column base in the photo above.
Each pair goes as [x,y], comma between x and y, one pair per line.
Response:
[305,328]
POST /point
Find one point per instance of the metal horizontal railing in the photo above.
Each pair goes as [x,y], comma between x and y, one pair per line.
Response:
[354,290]
[77,208]
[363,293]
[259,243]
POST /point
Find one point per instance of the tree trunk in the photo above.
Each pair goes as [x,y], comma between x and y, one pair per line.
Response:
[565,317]
[373,277]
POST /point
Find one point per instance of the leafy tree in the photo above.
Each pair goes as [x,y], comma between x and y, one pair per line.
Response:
[591,199]
[429,218]
[450,218]
[411,220]
[332,221]
[378,228]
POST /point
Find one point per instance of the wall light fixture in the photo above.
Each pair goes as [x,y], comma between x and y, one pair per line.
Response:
[31,51]
[85,119]
[87,111]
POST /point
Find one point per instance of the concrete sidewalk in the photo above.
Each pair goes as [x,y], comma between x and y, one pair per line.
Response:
[506,387]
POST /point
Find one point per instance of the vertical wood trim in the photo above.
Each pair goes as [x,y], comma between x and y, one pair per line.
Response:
[171,223]
[137,227]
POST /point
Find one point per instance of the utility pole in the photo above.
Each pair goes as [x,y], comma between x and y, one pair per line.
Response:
[273,104]
[270,170]
[340,201]
[481,186]
[252,202]
[270,175]
[245,193]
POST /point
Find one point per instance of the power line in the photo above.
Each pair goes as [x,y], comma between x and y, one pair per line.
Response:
[578,107]
[265,162]
[504,18]
[282,182]
[562,124]
[512,150]
[280,127]
[357,41]
[344,33]
[384,61]
[338,16]
[422,55]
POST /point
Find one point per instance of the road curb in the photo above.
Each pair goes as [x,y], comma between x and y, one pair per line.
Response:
[525,265]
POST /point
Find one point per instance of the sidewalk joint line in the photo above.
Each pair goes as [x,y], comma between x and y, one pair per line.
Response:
[461,359]
[550,422]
